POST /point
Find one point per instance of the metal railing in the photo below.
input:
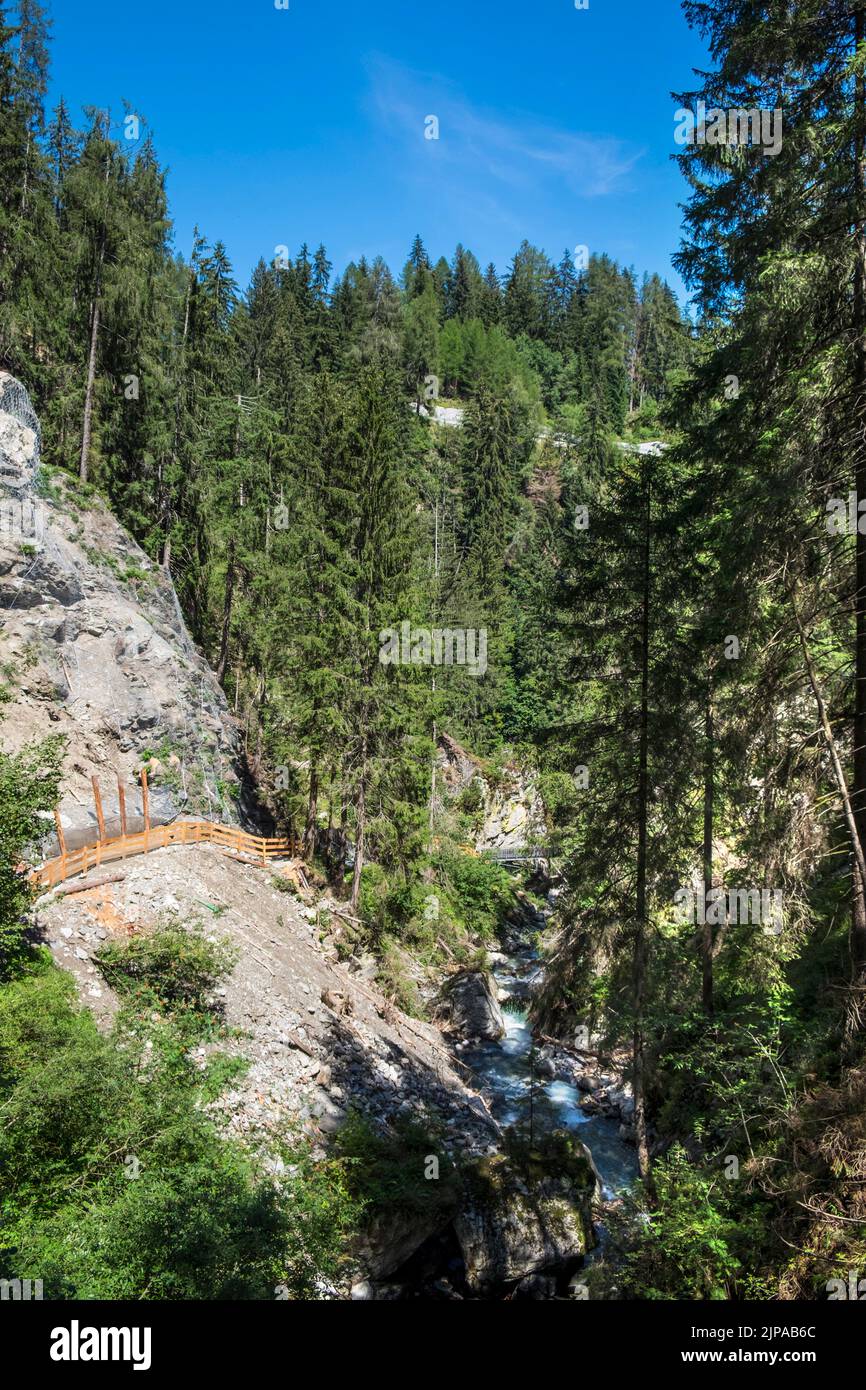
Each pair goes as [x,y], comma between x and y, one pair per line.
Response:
[518,854]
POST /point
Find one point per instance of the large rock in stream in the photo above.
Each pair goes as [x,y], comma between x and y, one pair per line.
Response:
[392,1237]
[470,1002]
[526,1212]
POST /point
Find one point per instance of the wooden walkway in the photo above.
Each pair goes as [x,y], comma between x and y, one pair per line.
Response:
[258,848]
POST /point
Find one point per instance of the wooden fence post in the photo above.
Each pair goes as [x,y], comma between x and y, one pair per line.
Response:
[61,840]
[97,799]
[121,804]
[145,806]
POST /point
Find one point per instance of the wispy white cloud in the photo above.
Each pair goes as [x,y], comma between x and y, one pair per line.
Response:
[492,156]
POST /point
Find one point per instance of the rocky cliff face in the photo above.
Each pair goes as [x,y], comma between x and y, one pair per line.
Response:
[93,646]
[510,811]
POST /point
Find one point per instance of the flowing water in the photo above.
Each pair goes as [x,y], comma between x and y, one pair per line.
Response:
[505,1074]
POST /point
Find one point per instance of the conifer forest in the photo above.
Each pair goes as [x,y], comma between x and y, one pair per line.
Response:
[433,684]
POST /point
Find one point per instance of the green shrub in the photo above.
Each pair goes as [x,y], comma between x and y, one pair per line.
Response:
[471,799]
[29,783]
[698,1242]
[386,1172]
[115,1184]
[479,891]
[395,979]
[177,965]
[390,905]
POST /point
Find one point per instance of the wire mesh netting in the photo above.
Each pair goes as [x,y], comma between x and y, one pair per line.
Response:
[17,457]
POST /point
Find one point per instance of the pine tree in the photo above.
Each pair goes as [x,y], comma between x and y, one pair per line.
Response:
[526,298]
[463,286]
[490,298]
[421,339]
[785,286]
[414,277]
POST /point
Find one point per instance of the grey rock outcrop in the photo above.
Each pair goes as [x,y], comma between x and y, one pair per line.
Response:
[93,646]
[470,1003]
[510,811]
[390,1239]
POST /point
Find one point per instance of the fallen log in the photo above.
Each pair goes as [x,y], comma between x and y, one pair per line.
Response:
[91,883]
[294,1041]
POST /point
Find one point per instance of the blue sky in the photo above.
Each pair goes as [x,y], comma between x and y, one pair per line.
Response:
[308,124]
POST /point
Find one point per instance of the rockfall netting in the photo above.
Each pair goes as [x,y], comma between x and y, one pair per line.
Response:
[20,434]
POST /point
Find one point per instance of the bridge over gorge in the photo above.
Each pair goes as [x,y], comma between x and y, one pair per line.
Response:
[519,854]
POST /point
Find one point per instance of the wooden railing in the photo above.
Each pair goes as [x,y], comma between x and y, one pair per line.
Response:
[237,842]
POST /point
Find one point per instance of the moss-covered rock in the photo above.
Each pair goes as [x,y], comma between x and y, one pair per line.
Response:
[526,1210]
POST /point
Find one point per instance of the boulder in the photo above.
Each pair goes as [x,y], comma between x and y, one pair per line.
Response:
[470,1002]
[536,1286]
[526,1215]
[545,1067]
[391,1237]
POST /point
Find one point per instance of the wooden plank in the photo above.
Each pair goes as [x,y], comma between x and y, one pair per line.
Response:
[258,848]
[121,802]
[145,800]
[96,883]
[97,801]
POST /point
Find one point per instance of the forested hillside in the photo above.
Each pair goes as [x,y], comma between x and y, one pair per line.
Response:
[670,640]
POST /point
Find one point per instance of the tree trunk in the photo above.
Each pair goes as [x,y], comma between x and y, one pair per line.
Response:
[835,759]
[87,425]
[340,863]
[360,830]
[227,614]
[330,832]
[167,505]
[312,812]
[707,929]
[858,917]
[641,923]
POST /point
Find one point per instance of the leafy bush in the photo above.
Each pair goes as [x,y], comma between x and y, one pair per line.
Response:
[386,1172]
[395,979]
[388,904]
[114,1182]
[480,891]
[699,1242]
[175,964]
[29,784]
[471,799]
